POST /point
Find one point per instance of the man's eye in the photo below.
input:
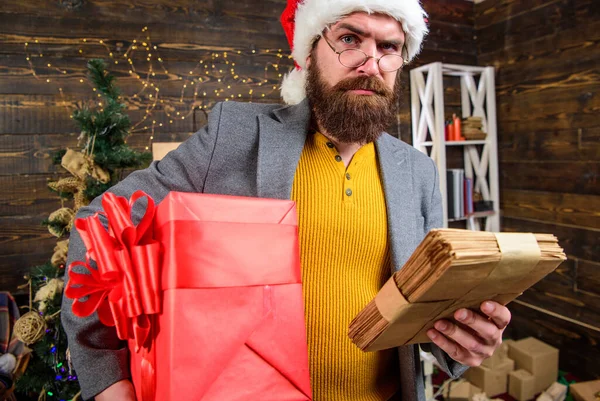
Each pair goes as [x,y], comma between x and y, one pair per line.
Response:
[348,40]
[389,47]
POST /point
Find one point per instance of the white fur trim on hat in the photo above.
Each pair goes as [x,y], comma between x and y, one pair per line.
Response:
[293,87]
[312,16]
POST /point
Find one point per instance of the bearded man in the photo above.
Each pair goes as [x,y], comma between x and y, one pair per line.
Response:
[365,200]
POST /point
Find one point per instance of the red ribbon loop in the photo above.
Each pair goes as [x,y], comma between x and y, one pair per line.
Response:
[125,289]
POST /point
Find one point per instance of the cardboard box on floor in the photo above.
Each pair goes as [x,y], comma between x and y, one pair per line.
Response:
[521,385]
[538,358]
[499,356]
[461,390]
[492,381]
[586,391]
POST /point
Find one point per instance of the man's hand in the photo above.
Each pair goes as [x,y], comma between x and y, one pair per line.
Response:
[475,337]
[120,391]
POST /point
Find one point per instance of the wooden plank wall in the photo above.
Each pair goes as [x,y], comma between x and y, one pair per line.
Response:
[547,55]
[62,35]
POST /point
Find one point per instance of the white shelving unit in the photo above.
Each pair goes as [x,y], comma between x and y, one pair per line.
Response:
[478,98]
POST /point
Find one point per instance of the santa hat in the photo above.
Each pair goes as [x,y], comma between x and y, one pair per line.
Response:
[304,20]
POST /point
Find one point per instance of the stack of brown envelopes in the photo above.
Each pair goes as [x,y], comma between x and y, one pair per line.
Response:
[449,270]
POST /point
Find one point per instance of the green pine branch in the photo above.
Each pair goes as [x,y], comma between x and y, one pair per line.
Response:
[106,128]
[102,79]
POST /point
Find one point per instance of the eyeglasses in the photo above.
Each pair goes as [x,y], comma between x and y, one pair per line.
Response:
[353,58]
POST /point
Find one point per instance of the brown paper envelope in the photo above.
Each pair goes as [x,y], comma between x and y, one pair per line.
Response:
[520,256]
[447,313]
[505,299]
[405,319]
[457,282]
[543,268]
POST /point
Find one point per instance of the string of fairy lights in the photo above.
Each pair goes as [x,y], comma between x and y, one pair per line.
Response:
[214,69]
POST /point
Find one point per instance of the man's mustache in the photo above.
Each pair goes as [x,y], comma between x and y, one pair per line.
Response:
[365,83]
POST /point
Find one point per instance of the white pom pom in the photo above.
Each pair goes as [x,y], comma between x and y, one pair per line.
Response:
[293,87]
[8,362]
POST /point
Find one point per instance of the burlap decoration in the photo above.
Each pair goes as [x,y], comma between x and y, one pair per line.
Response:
[48,292]
[99,174]
[60,253]
[80,200]
[75,163]
[69,185]
[65,216]
[30,328]
[81,165]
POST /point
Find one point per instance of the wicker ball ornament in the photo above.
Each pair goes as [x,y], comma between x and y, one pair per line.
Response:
[30,328]
[64,216]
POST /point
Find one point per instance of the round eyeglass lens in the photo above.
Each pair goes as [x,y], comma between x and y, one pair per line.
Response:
[391,62]
[353,58]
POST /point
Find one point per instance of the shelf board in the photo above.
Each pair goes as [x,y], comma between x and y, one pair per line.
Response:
[475,215]
[457,143]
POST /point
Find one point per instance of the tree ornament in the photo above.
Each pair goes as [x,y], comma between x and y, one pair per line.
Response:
[60,253]
[30,328]
[99,173]
[82,165]
[80,200]
[69,185]
[75,163]
[61,217]
[50,290]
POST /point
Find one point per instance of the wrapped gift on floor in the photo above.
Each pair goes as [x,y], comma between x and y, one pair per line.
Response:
[207,290]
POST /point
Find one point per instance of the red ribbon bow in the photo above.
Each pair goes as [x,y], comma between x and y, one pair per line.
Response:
[125,287]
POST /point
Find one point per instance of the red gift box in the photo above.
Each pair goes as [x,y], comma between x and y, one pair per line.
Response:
[230,324]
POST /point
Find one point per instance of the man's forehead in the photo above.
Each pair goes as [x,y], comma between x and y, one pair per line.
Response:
[370,24]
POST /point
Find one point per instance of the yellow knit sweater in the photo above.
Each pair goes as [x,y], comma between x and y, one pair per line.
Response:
[345,260]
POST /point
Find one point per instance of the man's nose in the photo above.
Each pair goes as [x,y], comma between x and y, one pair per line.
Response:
[370,67]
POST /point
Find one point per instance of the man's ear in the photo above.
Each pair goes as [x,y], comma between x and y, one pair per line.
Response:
[308,61]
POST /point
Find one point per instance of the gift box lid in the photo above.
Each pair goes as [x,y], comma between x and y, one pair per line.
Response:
[223,208]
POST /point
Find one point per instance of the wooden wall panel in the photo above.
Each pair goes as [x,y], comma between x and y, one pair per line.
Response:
[562,208]
[34,113]
[547,54]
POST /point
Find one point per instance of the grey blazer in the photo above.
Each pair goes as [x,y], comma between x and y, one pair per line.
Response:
[250,149]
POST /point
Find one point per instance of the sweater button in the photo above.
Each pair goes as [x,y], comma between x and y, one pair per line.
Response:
[338,158]
[329,145]
[349,192]
[347,176]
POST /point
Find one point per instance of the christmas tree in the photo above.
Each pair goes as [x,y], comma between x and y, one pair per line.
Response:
[100,163]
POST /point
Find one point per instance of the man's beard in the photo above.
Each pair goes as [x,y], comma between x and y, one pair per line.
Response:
[348,117]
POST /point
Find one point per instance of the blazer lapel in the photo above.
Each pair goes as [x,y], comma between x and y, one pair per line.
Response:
[397,185]
[280,143]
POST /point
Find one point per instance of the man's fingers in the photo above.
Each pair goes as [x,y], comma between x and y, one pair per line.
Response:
[447,345]
[499,314]
[465,339]
[486,329]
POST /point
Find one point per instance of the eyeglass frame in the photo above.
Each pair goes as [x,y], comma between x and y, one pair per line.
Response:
[367,57]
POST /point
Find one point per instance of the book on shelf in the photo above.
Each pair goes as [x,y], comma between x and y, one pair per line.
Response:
[459,194]
[455,192]
[449,270]
[468,196]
